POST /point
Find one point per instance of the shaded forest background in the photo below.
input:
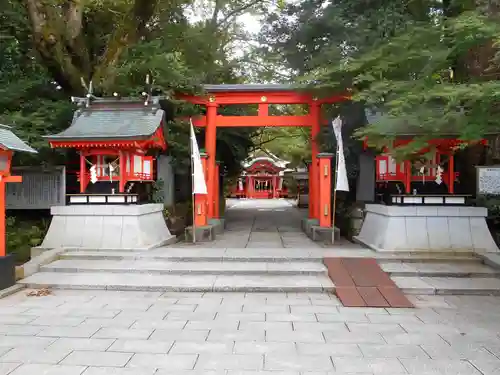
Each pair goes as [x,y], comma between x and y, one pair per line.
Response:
[428,67]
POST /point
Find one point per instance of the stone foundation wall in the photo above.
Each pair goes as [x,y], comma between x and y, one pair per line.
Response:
[107,227]
[414,228]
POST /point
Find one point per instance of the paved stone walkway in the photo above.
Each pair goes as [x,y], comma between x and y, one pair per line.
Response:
[97,332]
[262,223]
[145,333]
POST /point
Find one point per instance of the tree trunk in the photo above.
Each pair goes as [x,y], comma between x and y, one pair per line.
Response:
[59,39]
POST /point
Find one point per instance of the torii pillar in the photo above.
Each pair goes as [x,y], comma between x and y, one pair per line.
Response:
[314,207]
[210,148]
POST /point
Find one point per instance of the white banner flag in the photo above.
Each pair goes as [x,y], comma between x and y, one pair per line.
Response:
[341,181]
[199,184]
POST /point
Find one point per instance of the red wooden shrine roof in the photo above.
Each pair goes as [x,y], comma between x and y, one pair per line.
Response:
[114,123]
[263,165]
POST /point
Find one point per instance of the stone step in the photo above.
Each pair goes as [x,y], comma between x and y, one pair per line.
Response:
[191,283]
[448,285]
[252,255]
[439,269]
[186,268]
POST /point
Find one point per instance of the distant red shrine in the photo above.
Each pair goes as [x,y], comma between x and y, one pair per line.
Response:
[113,137]
[262,178]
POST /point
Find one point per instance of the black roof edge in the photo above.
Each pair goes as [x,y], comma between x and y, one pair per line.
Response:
[253,87]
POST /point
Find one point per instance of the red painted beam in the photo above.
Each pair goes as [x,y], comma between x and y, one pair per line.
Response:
[256,121]
[286,97]
[12,179]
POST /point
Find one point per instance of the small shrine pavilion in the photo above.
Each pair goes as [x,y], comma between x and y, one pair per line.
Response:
[115,139]
[419,174]
[262,177]
[420,209]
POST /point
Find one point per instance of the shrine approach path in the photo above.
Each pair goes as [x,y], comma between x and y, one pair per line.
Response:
[262,223]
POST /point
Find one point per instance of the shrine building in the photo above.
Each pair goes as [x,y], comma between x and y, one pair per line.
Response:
[263,177]
[116,140]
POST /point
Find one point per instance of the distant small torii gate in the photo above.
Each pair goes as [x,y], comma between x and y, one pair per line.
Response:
[263,95]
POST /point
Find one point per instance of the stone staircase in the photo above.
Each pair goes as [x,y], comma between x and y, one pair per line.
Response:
[463,275]
[152,271]
[254,270]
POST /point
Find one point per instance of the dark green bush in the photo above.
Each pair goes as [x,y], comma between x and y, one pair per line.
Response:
[23,235]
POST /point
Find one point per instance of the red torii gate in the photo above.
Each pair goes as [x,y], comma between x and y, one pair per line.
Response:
[263,95]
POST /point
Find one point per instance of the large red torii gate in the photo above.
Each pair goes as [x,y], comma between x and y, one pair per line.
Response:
[263,95]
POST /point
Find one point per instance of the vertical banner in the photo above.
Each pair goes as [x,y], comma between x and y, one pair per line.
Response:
[341,183]
[199,184]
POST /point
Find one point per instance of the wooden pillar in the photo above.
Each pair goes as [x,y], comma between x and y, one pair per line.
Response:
[250,186]
[210,148]
[314,207]
[123,172]
[217,191]
[407,180]
[83,174]
[200,200]
[325,189]
[247,186]
[275,187]
[451,175]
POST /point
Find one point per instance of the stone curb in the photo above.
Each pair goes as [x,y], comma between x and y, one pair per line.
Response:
[33,266]
[490,259]
[11,290]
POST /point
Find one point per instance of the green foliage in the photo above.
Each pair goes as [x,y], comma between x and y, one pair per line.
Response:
[157,191]
[23,235]
[429,67]
[46,53]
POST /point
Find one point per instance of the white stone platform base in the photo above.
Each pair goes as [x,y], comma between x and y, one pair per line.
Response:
[426,228]
[107,227]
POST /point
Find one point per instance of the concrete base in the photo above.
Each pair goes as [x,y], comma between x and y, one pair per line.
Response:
[203,234]
[7,271]
[218,224]
[108,227]
[320,234]
[424,228]
[303,200]
[307,223]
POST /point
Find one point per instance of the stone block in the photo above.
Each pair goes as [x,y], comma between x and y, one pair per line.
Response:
[119,333]
[404,228]
[107,227]
[334,350]
[322,234]
[141,346]
[121,371]
[255,347]
[202,347]
[31,369]
[89,358]
[35,355]
[7,271]
[280,362]
[202,234]
[218,224]
[172,362]
[230,362]
[82,344]
[456,367]
[376,366]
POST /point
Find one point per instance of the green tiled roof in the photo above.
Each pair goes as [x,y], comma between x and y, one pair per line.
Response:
[12,142]
[115,122]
